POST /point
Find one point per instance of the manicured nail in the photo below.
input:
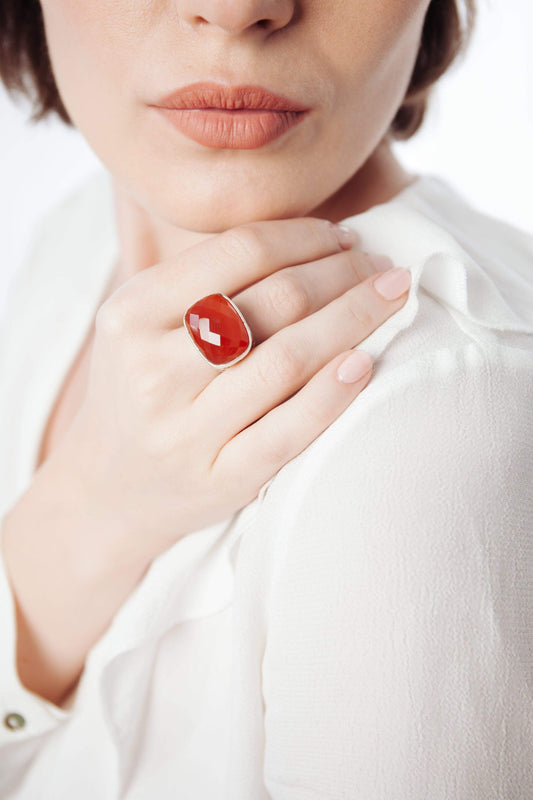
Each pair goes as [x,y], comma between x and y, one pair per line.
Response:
[394,283]
[354,367]
[346,236]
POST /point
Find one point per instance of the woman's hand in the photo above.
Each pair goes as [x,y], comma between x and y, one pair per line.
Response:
[169,444]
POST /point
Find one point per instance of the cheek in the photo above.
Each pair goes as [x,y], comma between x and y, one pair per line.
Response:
[374,30]
[372,48]
[87,43]
[89,32]
[86,14]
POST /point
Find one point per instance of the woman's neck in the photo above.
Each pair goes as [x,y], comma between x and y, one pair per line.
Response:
[380,179]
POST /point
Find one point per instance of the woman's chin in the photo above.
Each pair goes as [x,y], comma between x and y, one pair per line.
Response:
[216,216]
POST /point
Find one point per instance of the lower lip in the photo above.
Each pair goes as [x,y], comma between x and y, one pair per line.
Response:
[234,130]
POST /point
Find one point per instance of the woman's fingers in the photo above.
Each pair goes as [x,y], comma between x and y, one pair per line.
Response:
[227,262]
[290,427]
[274,303]
[293,293]
[283,363]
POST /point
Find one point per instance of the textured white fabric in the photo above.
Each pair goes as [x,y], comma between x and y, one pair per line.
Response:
[364,628]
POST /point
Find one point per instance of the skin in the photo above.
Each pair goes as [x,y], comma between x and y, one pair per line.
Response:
[354,60]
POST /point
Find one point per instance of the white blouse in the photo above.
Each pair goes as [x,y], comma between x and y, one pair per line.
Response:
[363,629]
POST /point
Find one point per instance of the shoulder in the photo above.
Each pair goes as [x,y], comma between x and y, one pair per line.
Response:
[453,371]
[452,378]
[504,251]
[474,228]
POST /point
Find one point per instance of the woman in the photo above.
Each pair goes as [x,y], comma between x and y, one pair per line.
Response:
[267,575]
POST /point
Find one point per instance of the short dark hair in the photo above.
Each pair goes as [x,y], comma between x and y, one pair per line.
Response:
[25,66]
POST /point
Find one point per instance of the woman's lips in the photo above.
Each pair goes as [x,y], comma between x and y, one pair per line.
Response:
[242,129]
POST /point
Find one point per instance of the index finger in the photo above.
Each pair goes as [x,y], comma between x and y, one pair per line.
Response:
[230,261]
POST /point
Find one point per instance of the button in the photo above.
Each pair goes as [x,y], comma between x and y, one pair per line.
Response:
[14,721]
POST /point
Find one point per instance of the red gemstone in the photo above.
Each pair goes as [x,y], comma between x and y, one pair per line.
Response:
[218,329]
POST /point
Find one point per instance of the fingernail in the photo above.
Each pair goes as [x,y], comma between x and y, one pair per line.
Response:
[394,283]
[346,236]
[354,367]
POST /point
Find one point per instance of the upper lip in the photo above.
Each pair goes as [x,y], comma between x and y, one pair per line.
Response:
[216,95]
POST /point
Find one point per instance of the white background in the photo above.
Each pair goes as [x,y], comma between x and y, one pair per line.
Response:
[478,135]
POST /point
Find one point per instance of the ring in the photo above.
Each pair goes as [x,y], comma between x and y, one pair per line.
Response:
[219,330]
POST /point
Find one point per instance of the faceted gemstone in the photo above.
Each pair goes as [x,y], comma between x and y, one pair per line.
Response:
[218,329]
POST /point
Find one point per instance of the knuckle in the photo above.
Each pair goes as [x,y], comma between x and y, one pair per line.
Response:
[244,242]
[287,296]
[317,414]
[321,233]
[359,312]
[280,364]
[360,264]
[113,318]
[288,362]
[275,449]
